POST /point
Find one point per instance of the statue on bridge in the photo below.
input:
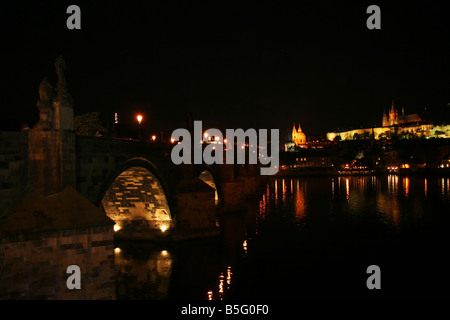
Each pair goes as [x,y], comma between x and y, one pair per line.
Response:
[63,102]
[63,95]
[46,94]
[55,105]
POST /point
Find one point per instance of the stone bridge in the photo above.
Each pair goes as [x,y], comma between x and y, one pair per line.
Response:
[133,182]
[64,199]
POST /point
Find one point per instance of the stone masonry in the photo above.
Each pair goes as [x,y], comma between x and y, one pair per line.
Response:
[41,236]
[137,195]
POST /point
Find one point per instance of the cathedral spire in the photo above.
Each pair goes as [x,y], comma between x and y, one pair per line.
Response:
[299,128]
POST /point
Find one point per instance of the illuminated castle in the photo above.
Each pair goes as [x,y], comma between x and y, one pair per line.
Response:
[404,126]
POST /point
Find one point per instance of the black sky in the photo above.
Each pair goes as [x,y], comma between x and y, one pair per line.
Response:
[243,64]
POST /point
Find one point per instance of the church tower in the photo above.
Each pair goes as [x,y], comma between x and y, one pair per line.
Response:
[294,135]
[385,122]
[298,137]
[393,115]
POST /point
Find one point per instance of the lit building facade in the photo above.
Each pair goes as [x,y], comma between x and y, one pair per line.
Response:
[393,123]
[298,136]
[298,139]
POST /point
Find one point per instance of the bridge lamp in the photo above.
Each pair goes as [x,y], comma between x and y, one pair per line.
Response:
[139,119]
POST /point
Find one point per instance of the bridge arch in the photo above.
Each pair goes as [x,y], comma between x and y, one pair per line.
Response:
[211,177]
[137,198]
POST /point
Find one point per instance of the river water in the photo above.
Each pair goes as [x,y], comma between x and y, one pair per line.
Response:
[307,238]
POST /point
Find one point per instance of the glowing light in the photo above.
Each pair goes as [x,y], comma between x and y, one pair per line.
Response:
[172,140]
[153,137]
[117,227]
[116,118]
[221,284]
[276,192]
[205,135]
[225,140]
[164,253]
[117,250]
[210,295]
[163,228]
[139,118]
[244,246]
[229,273]
[406,186]
[347,188]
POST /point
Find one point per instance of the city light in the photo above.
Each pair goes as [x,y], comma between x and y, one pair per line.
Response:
[117,227]
[153,137]
[163,228]
[139,119]
[229,273]
[244,246]
[172,140]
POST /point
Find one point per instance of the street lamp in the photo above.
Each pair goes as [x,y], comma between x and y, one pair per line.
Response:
[139,119]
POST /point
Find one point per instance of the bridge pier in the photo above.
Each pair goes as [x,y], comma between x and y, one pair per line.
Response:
[51,160]
[196,210]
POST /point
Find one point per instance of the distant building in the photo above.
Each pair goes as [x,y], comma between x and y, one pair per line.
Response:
[393,123]
[395,119]
[298,139]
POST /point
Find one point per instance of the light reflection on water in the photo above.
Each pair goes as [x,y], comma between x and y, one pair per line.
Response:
[387,196]
[307,216]
[145,275]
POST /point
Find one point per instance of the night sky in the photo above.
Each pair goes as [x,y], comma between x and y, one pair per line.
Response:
[246,64]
